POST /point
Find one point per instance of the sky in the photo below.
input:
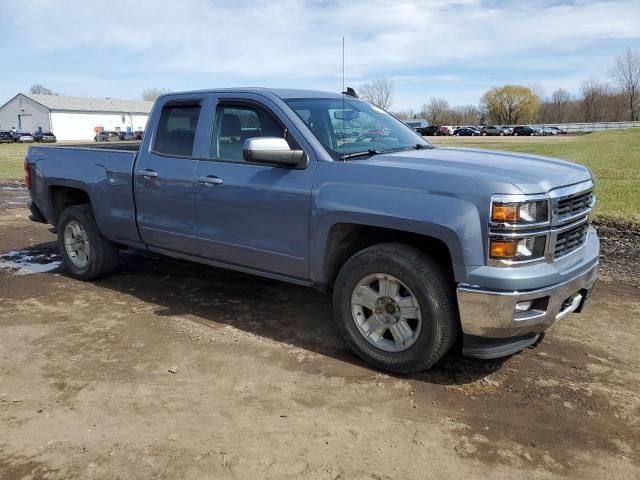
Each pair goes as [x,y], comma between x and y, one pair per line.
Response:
[448,49]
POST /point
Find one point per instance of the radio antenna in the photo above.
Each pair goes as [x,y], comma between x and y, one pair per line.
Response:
[343,65]
[343,92]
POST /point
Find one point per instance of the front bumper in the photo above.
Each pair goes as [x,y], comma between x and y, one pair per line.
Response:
[490,313]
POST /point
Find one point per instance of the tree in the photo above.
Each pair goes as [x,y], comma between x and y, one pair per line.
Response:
[150,94]
[594,94]
[379,92]
[626,72]
[39,89]
[510,104]
[436,111]
[560,106]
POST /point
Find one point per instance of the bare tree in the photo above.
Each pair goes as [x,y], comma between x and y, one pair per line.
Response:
[594,93]
[379,91]
[626,72]
[436,111]
[150,94]
[560,106]
[39,89]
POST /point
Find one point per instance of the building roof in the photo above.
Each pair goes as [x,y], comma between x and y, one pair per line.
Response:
[85,104]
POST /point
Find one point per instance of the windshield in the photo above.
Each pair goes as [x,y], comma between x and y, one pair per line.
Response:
[349,126]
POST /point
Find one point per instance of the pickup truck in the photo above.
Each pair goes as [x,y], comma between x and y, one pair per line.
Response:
[422,248]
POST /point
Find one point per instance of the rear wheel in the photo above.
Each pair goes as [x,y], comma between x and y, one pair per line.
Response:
[394,307]
[86,254]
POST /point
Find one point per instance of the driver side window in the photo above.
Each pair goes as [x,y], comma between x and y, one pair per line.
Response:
[236,123]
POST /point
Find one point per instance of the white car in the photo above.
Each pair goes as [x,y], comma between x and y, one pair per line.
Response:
[24,138]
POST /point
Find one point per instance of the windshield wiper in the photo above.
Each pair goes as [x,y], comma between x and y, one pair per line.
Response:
[371,151]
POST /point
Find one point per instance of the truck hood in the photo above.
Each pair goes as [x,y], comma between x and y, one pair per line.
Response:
[529,173]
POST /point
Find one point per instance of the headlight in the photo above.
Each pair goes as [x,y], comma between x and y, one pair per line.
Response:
[520,213]
[517,249]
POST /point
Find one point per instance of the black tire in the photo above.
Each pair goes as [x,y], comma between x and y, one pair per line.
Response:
[103,254]
[431,286]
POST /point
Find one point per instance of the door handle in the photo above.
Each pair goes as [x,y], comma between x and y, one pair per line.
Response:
[210,180]
[147,173]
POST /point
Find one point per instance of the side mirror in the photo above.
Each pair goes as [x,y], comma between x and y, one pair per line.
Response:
[274,151]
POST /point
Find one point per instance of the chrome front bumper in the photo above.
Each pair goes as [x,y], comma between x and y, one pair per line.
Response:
[489,313]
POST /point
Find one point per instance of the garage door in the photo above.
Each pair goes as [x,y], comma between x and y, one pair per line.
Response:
[25,123]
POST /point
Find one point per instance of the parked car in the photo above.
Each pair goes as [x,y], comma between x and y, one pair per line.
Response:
[126,136]
[507,130]
[466,132]
[23,137]
[547,131]
[523,131]
[5,137]
[492,130]
[418,245]
[44,137]
[559,130]
[139,134]
[429,131]
[444,131]
[106,136]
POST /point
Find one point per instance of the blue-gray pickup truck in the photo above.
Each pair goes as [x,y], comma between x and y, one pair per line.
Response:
[421,247]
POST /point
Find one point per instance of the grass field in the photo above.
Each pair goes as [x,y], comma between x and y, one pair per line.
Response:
[11,158]
[613,157]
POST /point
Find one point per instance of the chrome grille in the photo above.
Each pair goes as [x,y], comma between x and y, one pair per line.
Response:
[570,240]
[574,206]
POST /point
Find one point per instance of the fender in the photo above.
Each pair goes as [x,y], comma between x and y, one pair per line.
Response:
[453,221]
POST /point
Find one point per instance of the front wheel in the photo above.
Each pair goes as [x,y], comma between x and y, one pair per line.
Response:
[86,254]
[394,306]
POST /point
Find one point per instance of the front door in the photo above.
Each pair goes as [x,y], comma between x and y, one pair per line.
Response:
[164,180]
[250,215]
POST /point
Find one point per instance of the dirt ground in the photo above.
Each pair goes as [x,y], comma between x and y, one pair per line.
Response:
[174,370]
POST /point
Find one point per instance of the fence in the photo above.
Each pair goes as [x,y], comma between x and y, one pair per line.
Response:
[593,127]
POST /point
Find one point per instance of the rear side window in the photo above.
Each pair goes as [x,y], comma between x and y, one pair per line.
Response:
[177,130]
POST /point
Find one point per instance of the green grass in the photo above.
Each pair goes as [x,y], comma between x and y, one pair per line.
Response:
[11,160]
[613,157]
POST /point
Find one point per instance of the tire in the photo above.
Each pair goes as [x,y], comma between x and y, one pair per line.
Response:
[515,134]
[484,134]
[501,134]
[430,290]
[101,254]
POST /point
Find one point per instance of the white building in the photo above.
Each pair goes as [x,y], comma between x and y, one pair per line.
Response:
[73,118]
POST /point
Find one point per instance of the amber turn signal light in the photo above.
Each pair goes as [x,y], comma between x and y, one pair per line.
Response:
[503,249]
[504,212]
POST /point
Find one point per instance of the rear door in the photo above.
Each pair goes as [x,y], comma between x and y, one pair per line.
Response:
[254,216]
[164,176]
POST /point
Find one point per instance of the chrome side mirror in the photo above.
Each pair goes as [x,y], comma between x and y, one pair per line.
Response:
[273,151]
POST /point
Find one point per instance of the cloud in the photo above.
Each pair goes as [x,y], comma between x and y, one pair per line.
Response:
[299,43]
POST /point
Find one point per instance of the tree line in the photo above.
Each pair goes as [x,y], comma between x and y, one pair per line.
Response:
[597,100]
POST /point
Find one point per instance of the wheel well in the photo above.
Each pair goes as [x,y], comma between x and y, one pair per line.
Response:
[63,197]
[345,240]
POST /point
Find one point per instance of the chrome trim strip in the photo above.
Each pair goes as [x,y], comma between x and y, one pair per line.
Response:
[572,190]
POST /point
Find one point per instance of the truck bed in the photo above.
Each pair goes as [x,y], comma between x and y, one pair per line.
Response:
[102,170]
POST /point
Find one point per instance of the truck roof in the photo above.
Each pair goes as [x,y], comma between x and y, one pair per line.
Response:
[283,93]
